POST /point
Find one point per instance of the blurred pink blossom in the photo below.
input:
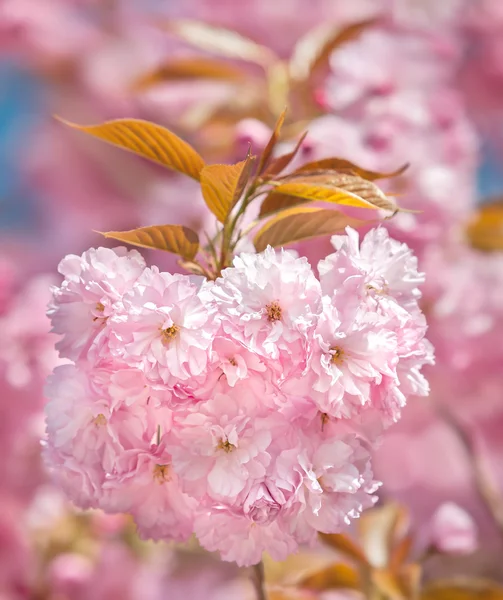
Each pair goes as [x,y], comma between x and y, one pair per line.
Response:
[453,530]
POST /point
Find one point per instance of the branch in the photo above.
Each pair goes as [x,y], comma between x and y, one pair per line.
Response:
[258,580]
[483,480]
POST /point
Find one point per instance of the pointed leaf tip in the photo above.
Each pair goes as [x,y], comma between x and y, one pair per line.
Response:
[271,144]
[222,186]
[336,188]
[147,140]
[302,223]
[220,41]
[177,239]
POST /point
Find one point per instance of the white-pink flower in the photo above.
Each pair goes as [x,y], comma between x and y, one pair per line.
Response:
[236,361]
[242,540]
[453,530]
[145,485]
[333,484]
[165,328]
[352,351]
[379,266]
[94,416]
[94,283]
[220,446]
[271,302]
[243,409]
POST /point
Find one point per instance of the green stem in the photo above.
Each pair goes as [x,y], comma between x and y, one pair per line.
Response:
[230,226]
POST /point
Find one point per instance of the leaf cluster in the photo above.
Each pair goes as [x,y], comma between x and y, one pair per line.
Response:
[293,207]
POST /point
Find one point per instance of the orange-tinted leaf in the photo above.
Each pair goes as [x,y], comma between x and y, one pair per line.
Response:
[462,589]
[268,150]
[149,141]
[295,567]
[275,202]
[340,164]
[220,41]
[345,545]
[387,584]
[337,576]
[171,238]
[191,267]
[301,223]
[337,188]
[313,51]
[485,229]
[278,86]
[400,552]
[285,593]
[189,68]
[222,186]
[279,164]
[410,580]
[379,529]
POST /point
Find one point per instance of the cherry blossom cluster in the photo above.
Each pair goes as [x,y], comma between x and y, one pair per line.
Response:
[243,409]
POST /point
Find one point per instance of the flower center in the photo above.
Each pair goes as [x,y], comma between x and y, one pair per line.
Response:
[338,355]
[170,333]
[380,291]
[100,420]
[324,420]
[226,446]
[161,473]
[274,311]
[100,307]
[233,362]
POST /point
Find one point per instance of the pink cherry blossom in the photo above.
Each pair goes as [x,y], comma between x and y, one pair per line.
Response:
[271,302]
[221,446]
[453,530]
[92,425]
[242,540]
[145,485]
[353,350]
[236,361]
[88,296]
[242,409]
[26,348]
[333,483]
[164,327]
[379,266]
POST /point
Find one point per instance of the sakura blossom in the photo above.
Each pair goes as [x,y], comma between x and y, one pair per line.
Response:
[235,409]
[93,285]
[165,326]
[453,530]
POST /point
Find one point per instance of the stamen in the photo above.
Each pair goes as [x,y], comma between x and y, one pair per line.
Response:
[338,355]
[324,420]
[274,311]
[100,307]
[380,291]
[233,362]
[226,446]
[161,473]
[170,333]
[100,420]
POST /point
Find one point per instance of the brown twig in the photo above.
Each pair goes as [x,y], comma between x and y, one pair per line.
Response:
[258,580]
[483,481]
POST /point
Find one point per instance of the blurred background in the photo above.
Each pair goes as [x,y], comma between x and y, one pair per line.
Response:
[378,82]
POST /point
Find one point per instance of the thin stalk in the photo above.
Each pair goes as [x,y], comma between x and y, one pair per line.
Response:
[258,580]
[482,478]
[230,226]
